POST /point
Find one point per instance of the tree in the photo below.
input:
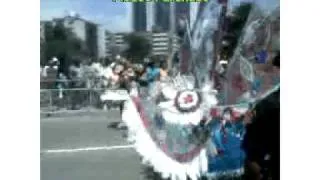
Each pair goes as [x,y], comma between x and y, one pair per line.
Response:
[42,52]
[139,47]
[62,43]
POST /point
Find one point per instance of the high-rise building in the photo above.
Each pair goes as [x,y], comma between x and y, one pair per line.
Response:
[165,20]
[109,43]
[161,43]
[139,11]
[85,30]
[119,39]
[101,42]
[152,16]
[115,43]
[162,16]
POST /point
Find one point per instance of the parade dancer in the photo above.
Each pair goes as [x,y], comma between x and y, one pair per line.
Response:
[183,131]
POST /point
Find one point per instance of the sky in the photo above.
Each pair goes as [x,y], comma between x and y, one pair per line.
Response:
[113,16]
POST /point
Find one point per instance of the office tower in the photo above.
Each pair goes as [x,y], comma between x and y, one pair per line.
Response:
[139,14]
[85,30]
[101,42]
[162,16]
[157,16]
[150,15]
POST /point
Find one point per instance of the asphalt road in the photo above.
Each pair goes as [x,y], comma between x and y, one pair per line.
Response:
[83,147]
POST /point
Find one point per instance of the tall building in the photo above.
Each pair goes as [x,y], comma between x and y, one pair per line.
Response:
[161,43]
[161,19]
[101,42]
[119,39]
[85,30]
[109,41]
[152,16]
[115,43]
[162,16]
[139,11]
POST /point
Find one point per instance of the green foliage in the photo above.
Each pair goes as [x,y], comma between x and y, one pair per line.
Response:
[138,47]
[62,43]
[42,52]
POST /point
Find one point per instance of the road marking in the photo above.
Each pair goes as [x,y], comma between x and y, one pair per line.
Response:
[87,149]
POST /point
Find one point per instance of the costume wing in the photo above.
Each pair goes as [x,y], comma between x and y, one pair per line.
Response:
[250,74]
[196,54]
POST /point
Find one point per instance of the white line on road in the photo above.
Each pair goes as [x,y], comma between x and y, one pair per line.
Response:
[87,149]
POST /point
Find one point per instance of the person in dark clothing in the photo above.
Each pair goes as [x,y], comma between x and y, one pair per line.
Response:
[75,77]
[262,139]
[276,60]
[126,78]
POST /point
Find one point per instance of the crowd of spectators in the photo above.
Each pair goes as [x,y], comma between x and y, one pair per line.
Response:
[97,77]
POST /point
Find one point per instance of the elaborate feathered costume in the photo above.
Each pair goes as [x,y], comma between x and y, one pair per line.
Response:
[187,128]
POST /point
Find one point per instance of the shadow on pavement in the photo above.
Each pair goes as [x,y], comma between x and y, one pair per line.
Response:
[117,126]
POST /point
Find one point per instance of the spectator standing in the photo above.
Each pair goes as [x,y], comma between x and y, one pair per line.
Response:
[163,70]
[262,140]
[153,74]
[75,77]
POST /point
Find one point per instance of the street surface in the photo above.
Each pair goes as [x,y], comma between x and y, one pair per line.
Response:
[83,147]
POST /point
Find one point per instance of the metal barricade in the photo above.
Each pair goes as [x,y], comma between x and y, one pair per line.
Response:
[79,99]
[56,100]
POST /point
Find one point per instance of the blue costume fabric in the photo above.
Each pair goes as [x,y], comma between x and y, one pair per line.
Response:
[227,139]
[152,74]
[261,57]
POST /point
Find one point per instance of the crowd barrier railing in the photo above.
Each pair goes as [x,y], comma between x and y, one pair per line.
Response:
[75,99]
